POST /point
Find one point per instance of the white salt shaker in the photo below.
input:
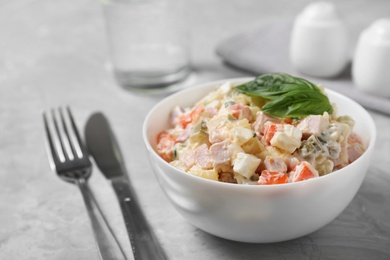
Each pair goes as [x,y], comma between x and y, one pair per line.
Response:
[319,44]
[371,63]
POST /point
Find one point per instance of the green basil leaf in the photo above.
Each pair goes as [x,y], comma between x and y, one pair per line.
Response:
[270,86]
[298,104]
[287,96]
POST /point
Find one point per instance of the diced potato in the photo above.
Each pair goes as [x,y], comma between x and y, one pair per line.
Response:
[217,122]
[207,174]
[288,140]
[257,101]
[226,87]
[254,110]
[253,146]
[246,164]
[243,99]
[240,135]
[242,122]
[199,137]
[234,149]
[292,131]
[284,142]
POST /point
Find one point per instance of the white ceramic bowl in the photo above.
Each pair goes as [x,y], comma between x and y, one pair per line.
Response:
[258,214]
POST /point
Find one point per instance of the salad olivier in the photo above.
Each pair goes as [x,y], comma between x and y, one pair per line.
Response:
[272,130]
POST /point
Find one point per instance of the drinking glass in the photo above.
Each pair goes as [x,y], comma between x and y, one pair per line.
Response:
[148,43]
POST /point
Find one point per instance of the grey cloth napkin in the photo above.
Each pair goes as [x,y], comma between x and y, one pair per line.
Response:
[266,50]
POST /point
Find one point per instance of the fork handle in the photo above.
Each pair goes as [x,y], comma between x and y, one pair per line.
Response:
[107,244]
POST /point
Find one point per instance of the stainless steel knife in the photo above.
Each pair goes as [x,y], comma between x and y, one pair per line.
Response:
[105,151]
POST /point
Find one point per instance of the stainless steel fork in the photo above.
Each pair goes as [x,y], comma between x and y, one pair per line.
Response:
[70,160]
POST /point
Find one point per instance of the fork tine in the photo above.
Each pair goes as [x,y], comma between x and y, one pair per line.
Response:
[65,128]
[53,150]
[76,133]
[59,135]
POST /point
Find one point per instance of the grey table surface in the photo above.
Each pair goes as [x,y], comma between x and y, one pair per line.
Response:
[54,53]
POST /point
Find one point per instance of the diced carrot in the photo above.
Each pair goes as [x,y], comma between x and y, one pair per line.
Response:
[236,109]
[269,178]
[165,144]
[304,171]
[162,135]
[269,131]
[185,119]
[190,116]
[287,120]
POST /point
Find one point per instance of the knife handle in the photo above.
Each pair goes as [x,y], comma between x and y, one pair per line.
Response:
[143,241]
[107,243]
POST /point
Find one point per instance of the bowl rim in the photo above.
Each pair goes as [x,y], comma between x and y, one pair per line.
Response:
[208,85]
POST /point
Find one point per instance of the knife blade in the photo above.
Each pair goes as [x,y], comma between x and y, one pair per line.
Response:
[104,149]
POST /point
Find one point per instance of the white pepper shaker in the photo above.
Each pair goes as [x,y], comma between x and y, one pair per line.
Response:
[319,43]
[371,63]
